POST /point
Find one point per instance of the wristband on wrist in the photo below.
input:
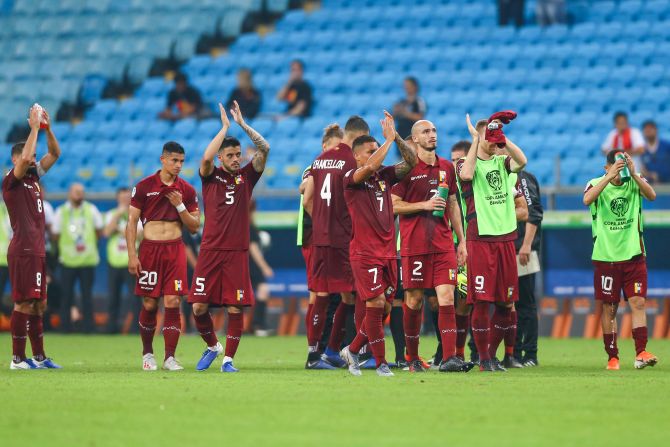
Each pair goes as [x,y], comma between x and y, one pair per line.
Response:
[181,207]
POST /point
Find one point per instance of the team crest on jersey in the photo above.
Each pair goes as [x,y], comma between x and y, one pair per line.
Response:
[177,284]
[494,180]
[619,206]
[382,185]
[239,180]
[443,176]
[240,294]
[510,292]
[638,287]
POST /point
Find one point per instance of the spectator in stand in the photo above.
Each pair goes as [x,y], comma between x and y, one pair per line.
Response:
[184,101]
[246,95]
[656,156]
[510,11]
[410,109]
[117,257]
[550,12]
[77,227]
[626,138]
[297,93]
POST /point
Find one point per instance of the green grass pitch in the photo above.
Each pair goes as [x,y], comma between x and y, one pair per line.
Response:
[103,398]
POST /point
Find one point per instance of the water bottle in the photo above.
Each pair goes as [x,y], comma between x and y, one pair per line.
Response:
[625,172]
[442,191]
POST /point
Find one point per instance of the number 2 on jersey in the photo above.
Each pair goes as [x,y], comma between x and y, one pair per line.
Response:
[325,189]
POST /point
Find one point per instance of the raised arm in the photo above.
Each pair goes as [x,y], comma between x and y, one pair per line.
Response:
[406,151]
[519,160]
[53,149]
[262,146]
[134,266]
[467,171]
[591,194]
[377,158]
[28,153]
[646,189]
[207,162]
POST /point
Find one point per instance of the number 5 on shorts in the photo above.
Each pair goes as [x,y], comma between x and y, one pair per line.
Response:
[199,284]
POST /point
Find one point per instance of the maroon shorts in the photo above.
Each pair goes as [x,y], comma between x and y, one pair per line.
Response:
[307,255]
[221,278]
[610,278]
[28,277]
[331,270]
[492,273]
[375,277]
[429,271]
[163,269]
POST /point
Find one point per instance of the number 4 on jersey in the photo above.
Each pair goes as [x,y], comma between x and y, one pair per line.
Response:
[325,189]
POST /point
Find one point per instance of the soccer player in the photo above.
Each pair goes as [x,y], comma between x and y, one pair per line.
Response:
[486,188]
[164,203]
[429,258]
[373,249]
[26,255]
[221,277]
[332,136]
[331,233]
[618,256]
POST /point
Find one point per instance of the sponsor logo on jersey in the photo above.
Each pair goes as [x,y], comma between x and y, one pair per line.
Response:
[619,206]
[418,177]
[220,179]
[240,294]
[443,176]
[638,287]
[494,180]
[155,193]
[177,284]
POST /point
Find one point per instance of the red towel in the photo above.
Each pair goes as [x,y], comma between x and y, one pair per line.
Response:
[494,131]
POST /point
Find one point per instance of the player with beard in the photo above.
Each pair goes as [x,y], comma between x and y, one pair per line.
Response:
[26,254]
[429,259]
[221,277]
[373,250]
[331,232]
[486,187]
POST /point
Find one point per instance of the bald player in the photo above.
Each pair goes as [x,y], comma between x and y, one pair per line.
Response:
[429,259]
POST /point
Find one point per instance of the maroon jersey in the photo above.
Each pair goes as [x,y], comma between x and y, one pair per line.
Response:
[331,224]
[226,198]
[371,209]
[306,218]
[26,214]
[472,232]
[149,196]
[422,233]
